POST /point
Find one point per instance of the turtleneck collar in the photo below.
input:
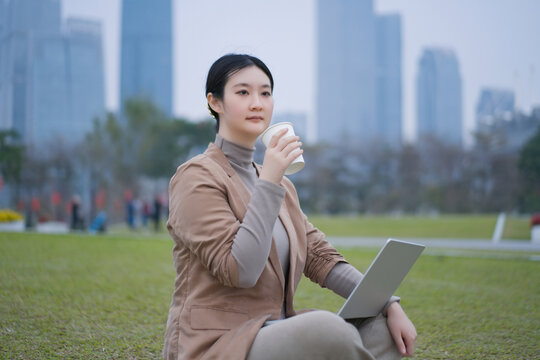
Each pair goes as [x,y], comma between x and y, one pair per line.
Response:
[237,154]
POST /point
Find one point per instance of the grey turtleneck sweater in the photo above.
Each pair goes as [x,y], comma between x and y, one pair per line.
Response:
[251,246]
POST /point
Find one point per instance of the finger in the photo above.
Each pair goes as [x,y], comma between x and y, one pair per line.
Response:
[275,138]
[409,343]
[294,154]
[291,148]
[285,141]
[399,342]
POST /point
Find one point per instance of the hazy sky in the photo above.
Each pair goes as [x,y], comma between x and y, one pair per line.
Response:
[496,42]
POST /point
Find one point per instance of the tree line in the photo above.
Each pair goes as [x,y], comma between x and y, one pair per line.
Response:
[121,150]
[144,144]
[429,176]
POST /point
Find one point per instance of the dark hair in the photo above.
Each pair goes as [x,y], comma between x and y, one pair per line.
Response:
[226,66]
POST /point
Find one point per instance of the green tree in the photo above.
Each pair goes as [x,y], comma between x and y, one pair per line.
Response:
[529,167]
[11,156]
[143,142]
[169,143]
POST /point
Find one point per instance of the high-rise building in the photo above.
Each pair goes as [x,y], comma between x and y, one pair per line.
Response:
[359,74]
[26,23]
[438,96]
[51,81]
[49,92]
[3,64]
[388,99]
[345,71]
[3,18]
[494,104]
[85,73]
[498,121]
[146,59]
[509,134]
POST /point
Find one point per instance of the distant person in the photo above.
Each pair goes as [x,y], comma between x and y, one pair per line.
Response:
[157,213]
[145,213]
[99,225]
[242,244]
[75,213]
[130,214]
[137,204]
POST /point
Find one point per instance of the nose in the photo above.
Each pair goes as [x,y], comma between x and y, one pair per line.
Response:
[256,103]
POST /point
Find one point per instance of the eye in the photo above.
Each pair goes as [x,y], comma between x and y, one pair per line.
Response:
[267,93]
[242,92]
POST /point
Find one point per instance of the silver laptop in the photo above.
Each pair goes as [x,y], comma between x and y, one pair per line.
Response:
[381,279]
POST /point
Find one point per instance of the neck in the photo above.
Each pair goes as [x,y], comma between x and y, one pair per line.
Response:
[237,154]
[237,139]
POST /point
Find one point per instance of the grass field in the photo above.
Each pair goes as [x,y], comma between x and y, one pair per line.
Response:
[447,226]
[107,297]
[404,226]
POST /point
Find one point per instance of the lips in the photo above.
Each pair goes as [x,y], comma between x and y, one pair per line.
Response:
[255,118]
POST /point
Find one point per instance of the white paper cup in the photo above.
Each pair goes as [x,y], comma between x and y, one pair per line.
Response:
[266,136]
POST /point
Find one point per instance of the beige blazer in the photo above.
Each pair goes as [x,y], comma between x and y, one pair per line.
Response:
[210,316]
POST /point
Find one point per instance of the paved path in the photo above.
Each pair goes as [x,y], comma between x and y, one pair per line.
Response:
[470,244]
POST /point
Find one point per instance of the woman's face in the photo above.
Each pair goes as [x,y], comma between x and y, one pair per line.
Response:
[247,105]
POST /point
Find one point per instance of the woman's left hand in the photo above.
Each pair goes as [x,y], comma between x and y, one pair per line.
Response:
[401,328]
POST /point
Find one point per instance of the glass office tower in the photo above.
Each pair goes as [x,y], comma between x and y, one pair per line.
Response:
[85,73]
[146,59]
[52,79]
[345,71]
[359,74]
[388,99]
[439,104]
[25,23]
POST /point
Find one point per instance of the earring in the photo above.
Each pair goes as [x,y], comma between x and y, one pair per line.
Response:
[210,111]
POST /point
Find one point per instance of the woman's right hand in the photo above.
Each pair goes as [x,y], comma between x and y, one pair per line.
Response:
[280,153]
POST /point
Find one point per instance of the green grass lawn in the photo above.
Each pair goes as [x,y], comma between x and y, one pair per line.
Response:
[407,226]
[107,297]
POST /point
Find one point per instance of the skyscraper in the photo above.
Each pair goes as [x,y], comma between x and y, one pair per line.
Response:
[3,65]
[26,23]
[439,104]
[497,120]
[49,91]
[3,19]
[345,71]
[85,73]
[146,59]
[388,100]
[494,104]
[51,82]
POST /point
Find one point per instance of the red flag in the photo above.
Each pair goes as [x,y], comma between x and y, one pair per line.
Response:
[117,205]
[99,199]
[56,198]
[35,204]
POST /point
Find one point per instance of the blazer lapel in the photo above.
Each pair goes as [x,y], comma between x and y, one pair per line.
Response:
[293,243]
[215,153]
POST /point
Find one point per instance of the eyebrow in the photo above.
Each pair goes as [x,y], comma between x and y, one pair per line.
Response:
[248,85]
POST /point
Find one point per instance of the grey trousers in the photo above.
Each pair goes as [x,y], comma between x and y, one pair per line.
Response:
[324,335]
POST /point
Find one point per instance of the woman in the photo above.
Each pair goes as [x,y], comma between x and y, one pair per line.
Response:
[242,244]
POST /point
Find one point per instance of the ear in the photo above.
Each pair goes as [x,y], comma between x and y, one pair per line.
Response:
[215,103]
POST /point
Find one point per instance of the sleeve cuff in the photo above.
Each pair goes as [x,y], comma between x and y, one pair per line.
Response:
[390,301]
[271,187]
